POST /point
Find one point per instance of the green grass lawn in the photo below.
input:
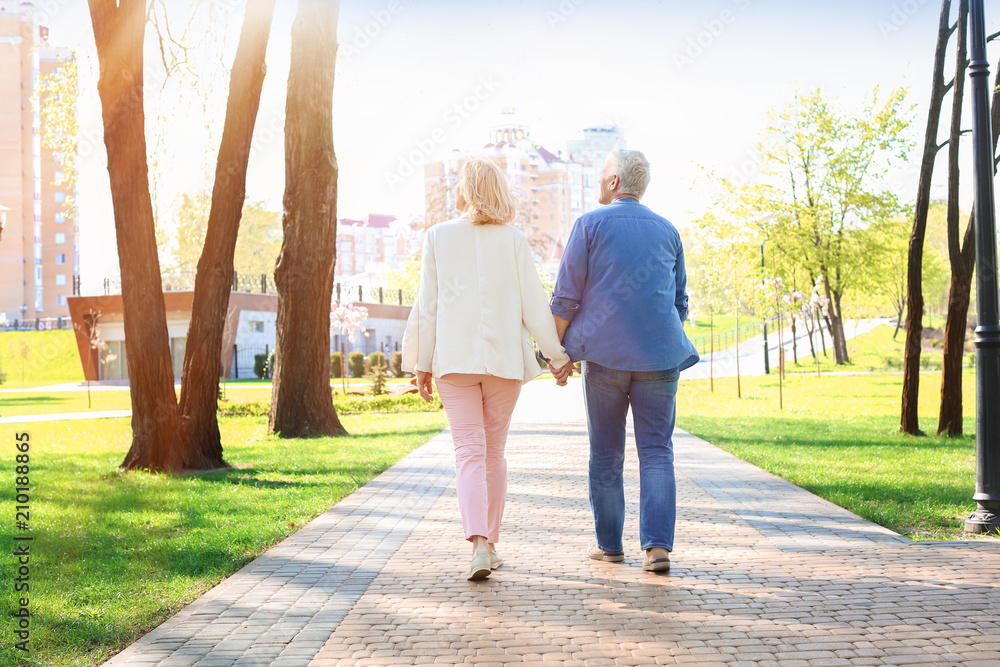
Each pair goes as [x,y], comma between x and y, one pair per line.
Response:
[52,358]
[873,351]
[117,553]
[838,436]
[718,324]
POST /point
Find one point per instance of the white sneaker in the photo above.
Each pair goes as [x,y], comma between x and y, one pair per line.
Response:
[495,559]
[479,568]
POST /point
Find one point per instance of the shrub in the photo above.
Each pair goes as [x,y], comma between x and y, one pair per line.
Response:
[356,364]
[397,364]
[336,365]
[349,404]
[260,365]
[378,379]
[376,359]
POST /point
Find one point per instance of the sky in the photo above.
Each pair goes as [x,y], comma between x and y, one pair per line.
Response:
[689,83]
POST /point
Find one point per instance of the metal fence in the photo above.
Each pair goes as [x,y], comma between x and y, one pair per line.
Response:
[244,358]
[729,338]
[37,324]
[263,283]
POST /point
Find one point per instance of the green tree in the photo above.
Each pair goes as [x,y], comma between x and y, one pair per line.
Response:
[257,244]
[57,102]
[821,204]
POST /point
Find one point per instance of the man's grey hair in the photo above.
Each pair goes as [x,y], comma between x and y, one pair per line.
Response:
[632,169]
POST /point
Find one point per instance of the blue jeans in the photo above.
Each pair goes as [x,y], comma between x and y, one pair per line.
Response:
[652,394]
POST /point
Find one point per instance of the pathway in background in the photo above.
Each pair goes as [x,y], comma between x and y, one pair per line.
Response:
[751,351]
[764,573]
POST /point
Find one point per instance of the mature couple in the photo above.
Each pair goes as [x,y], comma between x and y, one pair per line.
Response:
[618,307]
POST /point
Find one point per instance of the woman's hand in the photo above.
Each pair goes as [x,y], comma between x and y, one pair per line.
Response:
[425,385]
[562,374]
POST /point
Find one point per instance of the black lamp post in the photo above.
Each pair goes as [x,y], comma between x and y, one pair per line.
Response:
[767,363]
[986,518]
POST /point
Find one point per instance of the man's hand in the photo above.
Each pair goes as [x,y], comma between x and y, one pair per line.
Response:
[425,385]
[562,374]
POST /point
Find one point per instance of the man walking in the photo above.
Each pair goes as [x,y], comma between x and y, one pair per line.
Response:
[619,304]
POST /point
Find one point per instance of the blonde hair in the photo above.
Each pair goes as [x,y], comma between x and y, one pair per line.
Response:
[487,194]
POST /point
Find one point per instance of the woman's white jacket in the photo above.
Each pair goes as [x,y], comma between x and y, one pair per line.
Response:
[479,299]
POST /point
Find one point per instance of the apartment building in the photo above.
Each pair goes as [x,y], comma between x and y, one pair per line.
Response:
[553,188]
[38,243]
[373,246]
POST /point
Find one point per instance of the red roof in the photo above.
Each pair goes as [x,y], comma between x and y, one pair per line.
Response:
[547,156]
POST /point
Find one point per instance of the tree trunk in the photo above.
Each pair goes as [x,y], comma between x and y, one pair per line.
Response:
[119,29]
[739,388]
[301,399]
[950,415]
[795,343]
[711,348]
[909,422]
[835,322]
[962,258]
[201,442]
[810,328]
[819,327]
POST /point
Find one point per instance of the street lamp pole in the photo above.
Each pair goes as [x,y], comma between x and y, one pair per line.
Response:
[767,363]
[986,518]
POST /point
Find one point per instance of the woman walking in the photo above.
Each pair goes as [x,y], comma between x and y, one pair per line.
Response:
[479,299]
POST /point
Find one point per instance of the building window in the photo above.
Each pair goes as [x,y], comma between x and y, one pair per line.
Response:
[61,300]
[60,237]
[60,279]
[60,217]
[256,325]
[60,197]
[60,258]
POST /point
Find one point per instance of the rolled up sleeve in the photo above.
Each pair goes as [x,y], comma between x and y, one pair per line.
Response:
[680,280]
[572,276]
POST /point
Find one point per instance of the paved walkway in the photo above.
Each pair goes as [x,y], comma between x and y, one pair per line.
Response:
[764,573]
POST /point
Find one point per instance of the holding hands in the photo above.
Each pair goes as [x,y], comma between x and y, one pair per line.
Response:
[562,374]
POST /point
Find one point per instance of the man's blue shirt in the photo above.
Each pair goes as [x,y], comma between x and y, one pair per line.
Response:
[622,286]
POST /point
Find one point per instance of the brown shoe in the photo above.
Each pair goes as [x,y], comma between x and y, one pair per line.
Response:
[657,560]
[597,553]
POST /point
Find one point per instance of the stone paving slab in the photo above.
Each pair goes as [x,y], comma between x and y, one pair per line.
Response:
[764,573]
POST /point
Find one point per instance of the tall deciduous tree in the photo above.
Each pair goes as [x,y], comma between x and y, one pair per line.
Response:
[162,437]
[962,258]
[119,30]
[914,286]
[214,279]
[301,400]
